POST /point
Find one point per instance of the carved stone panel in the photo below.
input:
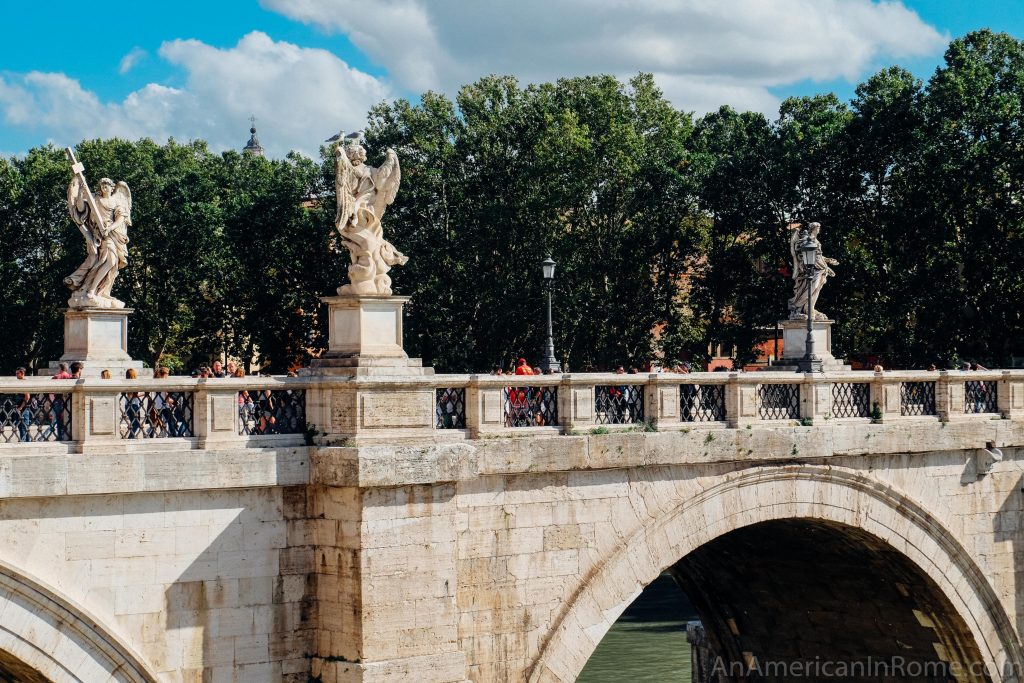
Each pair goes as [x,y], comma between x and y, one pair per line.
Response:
[397,409]
[101,413]
[224,409]
[583,403]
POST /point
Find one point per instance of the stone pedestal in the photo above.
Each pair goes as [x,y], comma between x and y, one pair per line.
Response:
[365,338]
[794,340]
[98,338]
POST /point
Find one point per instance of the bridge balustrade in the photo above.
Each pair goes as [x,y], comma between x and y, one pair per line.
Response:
[97,415]
[155,414]
[981,396]
[778,401]
[621,404]
[35,417]
[702,403]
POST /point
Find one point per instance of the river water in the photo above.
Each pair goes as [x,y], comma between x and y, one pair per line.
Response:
[648,642]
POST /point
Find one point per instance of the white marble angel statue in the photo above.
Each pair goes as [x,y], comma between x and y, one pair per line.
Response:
[104,221]
[364,192]
[798,304]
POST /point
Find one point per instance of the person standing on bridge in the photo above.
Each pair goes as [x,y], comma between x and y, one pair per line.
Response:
[523,368]
[25,409]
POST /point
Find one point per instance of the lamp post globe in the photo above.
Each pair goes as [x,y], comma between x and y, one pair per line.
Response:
[549,363]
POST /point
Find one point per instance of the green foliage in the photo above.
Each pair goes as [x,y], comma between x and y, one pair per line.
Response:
[589,170]
[222,256]
[668,232]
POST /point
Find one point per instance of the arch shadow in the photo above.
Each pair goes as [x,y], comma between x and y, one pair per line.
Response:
[764,494]
[44,634]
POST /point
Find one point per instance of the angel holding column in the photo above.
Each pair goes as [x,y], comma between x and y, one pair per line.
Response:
[103,219]
[363,194]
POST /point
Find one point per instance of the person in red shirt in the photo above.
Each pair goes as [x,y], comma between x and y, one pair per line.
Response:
[62,372]
[523,369]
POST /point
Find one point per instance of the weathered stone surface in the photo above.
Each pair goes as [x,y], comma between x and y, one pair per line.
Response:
[501,559]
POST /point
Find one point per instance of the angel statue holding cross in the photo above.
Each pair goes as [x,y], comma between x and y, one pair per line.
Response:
[363,193]
[104,221]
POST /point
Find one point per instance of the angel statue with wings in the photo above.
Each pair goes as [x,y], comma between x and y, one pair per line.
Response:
[363,193]
[798,305]
[103,220]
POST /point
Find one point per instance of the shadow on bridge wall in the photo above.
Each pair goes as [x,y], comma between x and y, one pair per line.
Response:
[242,609]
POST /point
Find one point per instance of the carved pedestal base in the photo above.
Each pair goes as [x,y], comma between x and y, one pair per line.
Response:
[98,338]
[365,338]
[794,339]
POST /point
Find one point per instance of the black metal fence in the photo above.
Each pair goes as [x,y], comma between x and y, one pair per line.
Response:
[450,409]
[618,405]
[702,402]
[850,399]
[917,398]
[778,401]
[35,417]
[271,411]
[981,396]
[531,406]
[155,414]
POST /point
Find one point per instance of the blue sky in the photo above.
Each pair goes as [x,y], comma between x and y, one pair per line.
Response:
[306,68]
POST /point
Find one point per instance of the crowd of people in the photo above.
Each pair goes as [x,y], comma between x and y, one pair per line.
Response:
[522,367]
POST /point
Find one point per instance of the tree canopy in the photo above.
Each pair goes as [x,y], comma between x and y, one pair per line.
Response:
[669,230]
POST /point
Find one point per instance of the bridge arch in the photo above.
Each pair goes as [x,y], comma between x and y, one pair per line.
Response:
[828,495]
[45,637]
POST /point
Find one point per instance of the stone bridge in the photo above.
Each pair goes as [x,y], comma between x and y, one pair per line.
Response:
[443,528]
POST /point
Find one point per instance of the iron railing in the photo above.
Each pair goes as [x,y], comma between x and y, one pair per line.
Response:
[155,414]
[35,417]
[778,401]
[702,402]
[450,408]
[271,411]
[981,396]
[531,406]
[619,405]
[917,398]
[850,399]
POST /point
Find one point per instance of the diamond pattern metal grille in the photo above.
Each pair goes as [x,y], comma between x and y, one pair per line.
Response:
[531,406]
[778,401]
[451,409]
[917,398]
[851,399]
[619,405]
[702,402]
[271,411]
[155,414]
[35,417]
[981,397]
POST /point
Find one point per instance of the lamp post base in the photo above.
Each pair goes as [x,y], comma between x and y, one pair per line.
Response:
[794,347]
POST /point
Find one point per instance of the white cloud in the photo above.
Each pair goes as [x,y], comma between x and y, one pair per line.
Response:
[700,50]
[299,96]
[128,62]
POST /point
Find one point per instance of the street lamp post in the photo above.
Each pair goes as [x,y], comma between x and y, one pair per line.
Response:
[549,363]
[809,256]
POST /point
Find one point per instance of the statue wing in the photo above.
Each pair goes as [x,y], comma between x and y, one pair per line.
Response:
[387,180]
[343,189]
[124,198]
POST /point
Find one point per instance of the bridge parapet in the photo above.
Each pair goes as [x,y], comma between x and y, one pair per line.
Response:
[455,407]
[95,415]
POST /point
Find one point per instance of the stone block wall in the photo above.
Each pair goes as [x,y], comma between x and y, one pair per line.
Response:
[197,583]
